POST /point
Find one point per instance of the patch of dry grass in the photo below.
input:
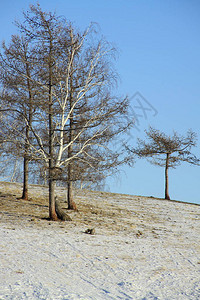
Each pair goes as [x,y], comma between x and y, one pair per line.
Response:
[108,213]
[94,209]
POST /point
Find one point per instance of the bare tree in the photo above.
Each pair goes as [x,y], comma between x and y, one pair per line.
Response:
[166,151]
[18,99]
[77,115]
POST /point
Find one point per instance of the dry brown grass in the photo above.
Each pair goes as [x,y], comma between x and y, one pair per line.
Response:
[108,213]
[94,209]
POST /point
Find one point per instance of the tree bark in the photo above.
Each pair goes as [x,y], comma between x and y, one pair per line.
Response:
[52,208]
[70,201]
[25,181]
[30,117]
[166,178]
[69,186]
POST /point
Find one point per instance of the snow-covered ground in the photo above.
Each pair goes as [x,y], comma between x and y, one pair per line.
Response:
[143,248]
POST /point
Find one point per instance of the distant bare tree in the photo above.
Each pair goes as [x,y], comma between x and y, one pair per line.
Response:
[166,151]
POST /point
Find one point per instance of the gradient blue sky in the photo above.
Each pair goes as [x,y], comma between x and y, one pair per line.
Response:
[159,57]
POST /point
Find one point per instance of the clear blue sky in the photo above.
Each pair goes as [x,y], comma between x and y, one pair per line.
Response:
[159,56]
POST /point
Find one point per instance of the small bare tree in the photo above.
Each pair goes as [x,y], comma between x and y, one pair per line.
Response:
[166,151]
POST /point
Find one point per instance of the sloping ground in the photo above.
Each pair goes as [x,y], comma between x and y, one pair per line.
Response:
[143,248]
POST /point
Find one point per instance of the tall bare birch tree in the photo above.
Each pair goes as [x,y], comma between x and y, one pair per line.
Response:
[77,114]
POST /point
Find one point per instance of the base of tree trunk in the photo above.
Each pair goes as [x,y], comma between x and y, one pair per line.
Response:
[60,212]
[167,198]
[24,198]
[53,218]
[73,206]
[25,195]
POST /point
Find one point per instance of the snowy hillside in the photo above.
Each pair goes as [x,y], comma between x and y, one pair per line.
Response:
[143,248]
